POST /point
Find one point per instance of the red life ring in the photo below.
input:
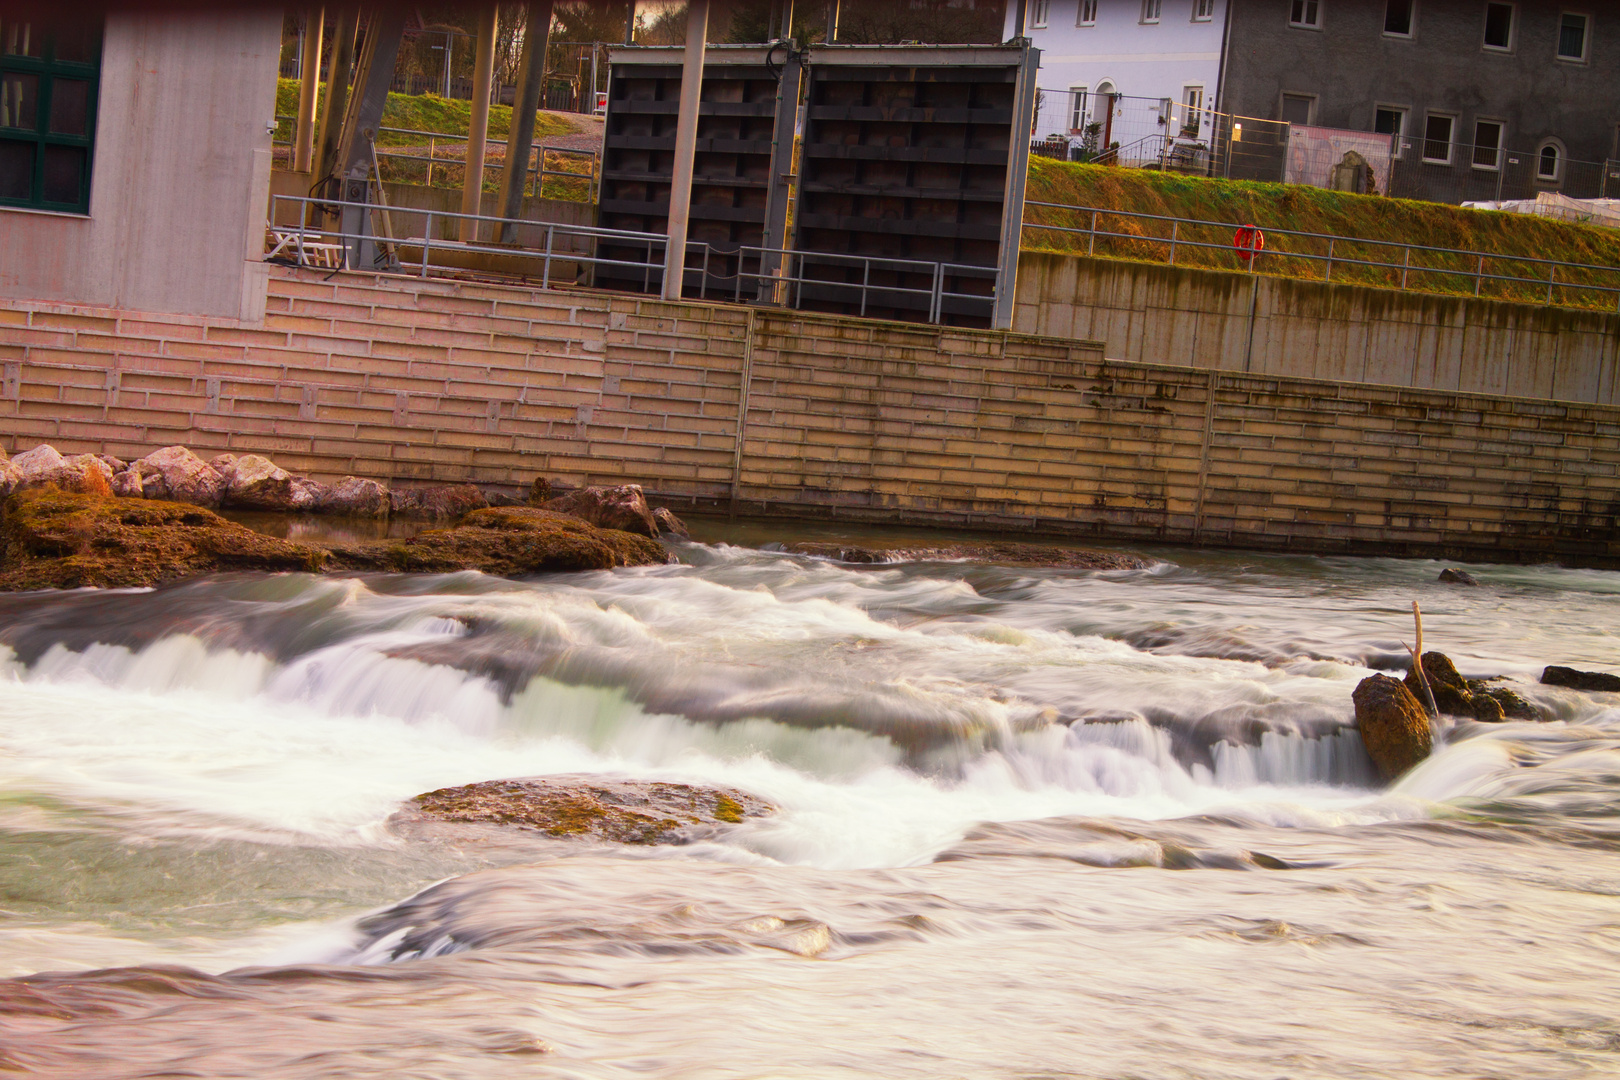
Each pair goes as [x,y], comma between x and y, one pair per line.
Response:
[1248,242]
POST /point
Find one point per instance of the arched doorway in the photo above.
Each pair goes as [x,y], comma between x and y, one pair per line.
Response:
[1103,113]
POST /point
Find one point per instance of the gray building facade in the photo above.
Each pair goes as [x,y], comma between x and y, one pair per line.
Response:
[1484,98]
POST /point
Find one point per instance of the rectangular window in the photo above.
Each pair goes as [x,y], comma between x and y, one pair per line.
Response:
[1088,13]
[48,93]
[1437,139]
[1572,37]
[1203,10]
[1398,18]
[1151,10]
[1306,13]
[1077,110]
[1038,16]
[1192,111]
[1298,108]
[1499,26]
[1487,144]
[1391,121]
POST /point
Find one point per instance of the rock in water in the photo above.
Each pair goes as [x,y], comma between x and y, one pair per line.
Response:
[448,501]
[1393,726]
[623,507]
[595,808]
[1451,693]
[56,540]
[1581,680]
[1457,577]
[257,483]
[668,524]
[1000,552]
[507,540]
[356,498]
[176,474]
[42,466]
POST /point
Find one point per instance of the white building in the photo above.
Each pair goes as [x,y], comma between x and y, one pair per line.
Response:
[1142,69]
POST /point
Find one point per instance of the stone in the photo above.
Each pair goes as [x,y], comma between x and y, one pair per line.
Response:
[1394,728]
[1581,680]
[539,491]
[1512,704]
[127,484]
[668,524]
[595,808]
[509,541]
[1006,554]
[43,466]
[254,482]
[1457,577]
[114,465]
[1487,710]
[1451,693]
[176,474]
[51,539]
[623,507]
[356,497]
[448,501]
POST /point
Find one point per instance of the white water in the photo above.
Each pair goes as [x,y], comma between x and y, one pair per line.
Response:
[222,758]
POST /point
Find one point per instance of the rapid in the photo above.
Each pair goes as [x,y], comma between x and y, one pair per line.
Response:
[1031,823]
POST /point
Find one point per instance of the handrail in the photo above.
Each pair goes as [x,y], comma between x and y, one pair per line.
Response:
[1406,267]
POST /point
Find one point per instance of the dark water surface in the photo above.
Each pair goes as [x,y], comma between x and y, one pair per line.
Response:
[1033,824]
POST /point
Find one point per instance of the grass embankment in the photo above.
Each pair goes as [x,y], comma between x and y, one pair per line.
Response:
[450,117]
[1382,226]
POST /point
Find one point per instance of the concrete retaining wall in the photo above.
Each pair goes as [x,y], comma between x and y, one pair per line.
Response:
[408,380]
[1280,326]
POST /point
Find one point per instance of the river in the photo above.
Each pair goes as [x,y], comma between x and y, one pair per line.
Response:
[1032,824]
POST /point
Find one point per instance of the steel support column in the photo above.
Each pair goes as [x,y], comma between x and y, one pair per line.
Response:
[357,150]
[520,139]
[336,104]
[309,78]
[1012,211]
[472,187]
[686,124]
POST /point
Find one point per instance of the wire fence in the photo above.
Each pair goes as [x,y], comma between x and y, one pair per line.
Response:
[1384,264]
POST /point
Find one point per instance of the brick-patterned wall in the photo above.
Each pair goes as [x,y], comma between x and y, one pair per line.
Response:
[417,381]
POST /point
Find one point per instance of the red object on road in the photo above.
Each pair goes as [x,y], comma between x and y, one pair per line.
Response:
[1248,242]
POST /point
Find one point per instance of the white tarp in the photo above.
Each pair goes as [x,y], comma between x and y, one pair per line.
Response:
[1314,153]
[1605,212]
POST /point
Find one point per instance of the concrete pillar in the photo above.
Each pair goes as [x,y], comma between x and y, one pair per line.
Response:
[472,187]
[520,140]
[309,75]
[337,92]
[686,124]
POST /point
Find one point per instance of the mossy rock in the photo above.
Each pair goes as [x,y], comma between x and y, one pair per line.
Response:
[509,541]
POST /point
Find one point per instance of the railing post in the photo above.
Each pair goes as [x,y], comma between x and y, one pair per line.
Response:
[1552,276]
[1175,229]
[545,273]
[936,302]
[427,243]
[1479,274]
[1091,247]
[432,147]
[1406,263]
[1330,259]
[866,281]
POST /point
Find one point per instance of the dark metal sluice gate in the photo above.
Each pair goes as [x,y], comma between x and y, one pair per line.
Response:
[885,181]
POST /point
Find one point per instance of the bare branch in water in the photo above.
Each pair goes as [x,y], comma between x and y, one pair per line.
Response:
[1417,663]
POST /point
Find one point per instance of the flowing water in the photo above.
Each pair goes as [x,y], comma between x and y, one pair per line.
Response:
[1031,823]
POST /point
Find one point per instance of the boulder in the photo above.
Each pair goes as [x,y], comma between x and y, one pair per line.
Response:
[1003,553]
[539,491]
[127,484]
[1394,728]
[115,465]
[509,541]
[1512,704]
[356,497]
[176,474]
[1457,577]
[253,482]
[1487,710]
[43,466]
[668,524]
[10,476]
[1451,693]
[623,507]
[51,539]
[594,808]
[1581,680]
[449,501]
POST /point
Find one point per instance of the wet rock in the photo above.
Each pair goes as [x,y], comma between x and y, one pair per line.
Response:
[1451,693]
[50,539]
[447,501]
[43,466]
[1003,553]
[1589,681]
[1457,577]
[176,474]
[1394,727]
[509,541]
[1487,710]
[356,497]
[253,482]
[623,507]
[668,524]
[1512,704]
[594,808]
[539,491]
[127,484]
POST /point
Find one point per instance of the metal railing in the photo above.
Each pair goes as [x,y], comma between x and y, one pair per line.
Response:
[406,240]
[534,178]
[1348,260]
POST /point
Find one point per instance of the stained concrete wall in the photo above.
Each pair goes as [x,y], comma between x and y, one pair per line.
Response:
[1305,329]
[179,177]
[411,380]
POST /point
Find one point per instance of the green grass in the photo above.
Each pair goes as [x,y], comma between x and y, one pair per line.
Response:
[1379,224]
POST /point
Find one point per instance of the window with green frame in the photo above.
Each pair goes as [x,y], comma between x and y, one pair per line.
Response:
[49,72]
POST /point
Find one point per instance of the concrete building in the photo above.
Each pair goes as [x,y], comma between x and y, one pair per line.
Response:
[135,157]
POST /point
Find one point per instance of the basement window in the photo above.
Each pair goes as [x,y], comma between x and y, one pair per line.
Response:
[1398,18]
[48,90]
[1499,27]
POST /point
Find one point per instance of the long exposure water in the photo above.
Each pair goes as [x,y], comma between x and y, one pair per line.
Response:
[1032,823]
